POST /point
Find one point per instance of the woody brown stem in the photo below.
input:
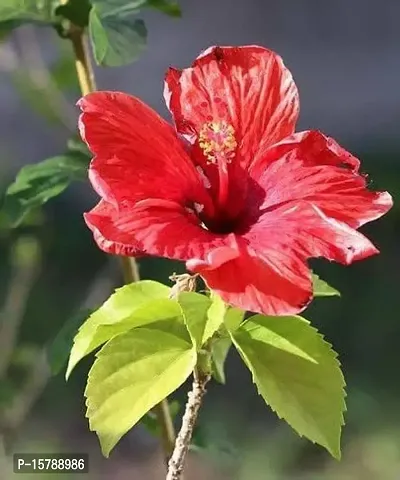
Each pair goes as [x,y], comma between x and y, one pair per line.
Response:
[183,440]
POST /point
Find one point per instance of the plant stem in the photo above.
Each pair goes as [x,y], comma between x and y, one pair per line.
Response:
[83,64]
[182,444]
[130,269]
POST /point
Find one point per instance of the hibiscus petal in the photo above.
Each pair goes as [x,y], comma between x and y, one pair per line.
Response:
[275,284]
[152,227]
[108,234]
[310,166]
[137,153]
[303,230]
[248,87]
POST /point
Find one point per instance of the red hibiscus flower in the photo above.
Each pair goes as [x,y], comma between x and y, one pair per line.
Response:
[232,190]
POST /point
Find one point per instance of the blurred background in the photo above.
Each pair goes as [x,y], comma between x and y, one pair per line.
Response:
[345,59]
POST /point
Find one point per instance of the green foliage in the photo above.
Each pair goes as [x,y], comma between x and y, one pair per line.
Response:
[132,373]
[215,317]
[297,373]
[323,289]
[219,351]
[203,315]
[59,349]
[38,183]
[26,11]
[130,306]
[233,318]
[195,309]
[117,38]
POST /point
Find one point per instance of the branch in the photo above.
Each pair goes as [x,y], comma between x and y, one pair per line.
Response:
[182,444]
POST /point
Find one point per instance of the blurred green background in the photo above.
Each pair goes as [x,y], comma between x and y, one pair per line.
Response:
[50,268]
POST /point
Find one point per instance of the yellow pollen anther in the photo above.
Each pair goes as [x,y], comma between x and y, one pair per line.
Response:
[217,140]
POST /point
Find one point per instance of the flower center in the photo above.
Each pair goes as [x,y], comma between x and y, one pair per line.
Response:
[217,140]
[218,143]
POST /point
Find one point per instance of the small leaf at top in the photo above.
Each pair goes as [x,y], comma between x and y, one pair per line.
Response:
[298,375]
[130,306]
[38,183]
[59,349]
[133,372]
[323,289]
[117,37]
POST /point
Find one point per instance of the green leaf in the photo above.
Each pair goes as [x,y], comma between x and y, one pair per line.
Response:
[38,183]
[219,351]
[117,37]
[130,306]
[215,317]
[298,375]
[76,11]
[195,309]
[118,7]
[59,349]
[203,315]
[233,318]
[133,372]
[26,11]
[322,289]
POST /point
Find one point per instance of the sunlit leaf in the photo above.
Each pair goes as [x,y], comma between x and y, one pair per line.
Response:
[215,317]
[219,351]
[298,375]
[195,308]
[323,289]
[233,318]
[133,372]
[129,307]
[203,315]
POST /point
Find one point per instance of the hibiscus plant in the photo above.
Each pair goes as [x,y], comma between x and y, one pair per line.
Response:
[230,189]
